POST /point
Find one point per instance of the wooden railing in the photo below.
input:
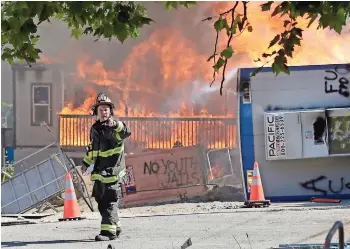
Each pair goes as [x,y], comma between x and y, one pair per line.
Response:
[156,133]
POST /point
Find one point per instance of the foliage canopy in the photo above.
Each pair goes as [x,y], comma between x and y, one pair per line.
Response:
[123,20]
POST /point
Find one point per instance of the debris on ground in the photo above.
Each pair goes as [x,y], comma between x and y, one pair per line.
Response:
[27,216]
[16,221]
[187,244]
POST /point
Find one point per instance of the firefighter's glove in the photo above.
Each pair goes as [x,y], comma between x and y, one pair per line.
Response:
[112,123]
[83,169]
[87,170]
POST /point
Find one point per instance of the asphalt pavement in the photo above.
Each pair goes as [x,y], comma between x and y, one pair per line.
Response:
[228,228]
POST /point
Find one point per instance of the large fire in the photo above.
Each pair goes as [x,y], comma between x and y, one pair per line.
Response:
[154,80]
[167,75]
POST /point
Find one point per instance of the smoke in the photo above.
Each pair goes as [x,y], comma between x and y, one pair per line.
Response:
[57,43]
[165,68]
[148,63]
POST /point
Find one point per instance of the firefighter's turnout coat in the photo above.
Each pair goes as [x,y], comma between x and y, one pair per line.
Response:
[106,152]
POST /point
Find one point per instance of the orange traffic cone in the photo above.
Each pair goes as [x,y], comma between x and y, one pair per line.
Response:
[71,207]
[256,189]
[257,196]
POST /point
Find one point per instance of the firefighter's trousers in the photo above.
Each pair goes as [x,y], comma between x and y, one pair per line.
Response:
[107,198]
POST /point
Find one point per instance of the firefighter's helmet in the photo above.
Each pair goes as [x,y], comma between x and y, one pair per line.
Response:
[102,99]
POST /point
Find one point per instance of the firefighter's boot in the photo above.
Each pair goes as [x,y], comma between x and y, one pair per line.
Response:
[106,236]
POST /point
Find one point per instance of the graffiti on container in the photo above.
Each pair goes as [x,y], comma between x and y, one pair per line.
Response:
[339,134]
[184,171]
[337,81]
[336,188]
[130,184]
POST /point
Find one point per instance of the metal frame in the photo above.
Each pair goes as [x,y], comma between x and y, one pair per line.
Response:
[241,174]
[78,182]
[229,158]
[35,203]
[238,123]
[338,226]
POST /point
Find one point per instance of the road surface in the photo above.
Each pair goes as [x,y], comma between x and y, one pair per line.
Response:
[219,229]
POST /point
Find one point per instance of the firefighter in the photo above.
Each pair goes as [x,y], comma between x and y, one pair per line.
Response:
[105,156]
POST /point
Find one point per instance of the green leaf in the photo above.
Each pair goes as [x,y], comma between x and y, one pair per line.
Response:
[218,64]
[7,50]
[76,33]
[341,14]
[220,24]
[338,28]
[285,23]
[146,20]
[234,28]
[279,64]
[35,39]
[285,69]
[313,18]
[266,6]
[277,10]
[108,30]
[169,5]
[298,32]
[189,4]
[121,32]
[274,40]
[256,71]
[227,52]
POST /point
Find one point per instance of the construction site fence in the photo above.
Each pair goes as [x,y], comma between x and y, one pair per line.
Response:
[37,180]
[155,132]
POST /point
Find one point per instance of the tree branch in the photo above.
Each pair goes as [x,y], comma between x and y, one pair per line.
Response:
[242,28]
[228,44]
[214,56]
[232,10]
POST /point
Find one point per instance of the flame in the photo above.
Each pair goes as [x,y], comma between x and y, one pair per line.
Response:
[216,172]
[144,91]
[158,76]
[318,46]
[157,133]
[84,108]
[167,75]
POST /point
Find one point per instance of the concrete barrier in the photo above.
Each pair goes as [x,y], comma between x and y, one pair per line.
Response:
[164,176]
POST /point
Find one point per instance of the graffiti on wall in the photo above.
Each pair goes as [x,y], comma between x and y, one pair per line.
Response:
[337,81]
[334,187]
[184,171]
[339,134]
[130,183]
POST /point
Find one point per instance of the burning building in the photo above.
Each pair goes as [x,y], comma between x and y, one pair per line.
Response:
[160,83]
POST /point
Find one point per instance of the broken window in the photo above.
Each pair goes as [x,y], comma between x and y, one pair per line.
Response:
[319,130]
